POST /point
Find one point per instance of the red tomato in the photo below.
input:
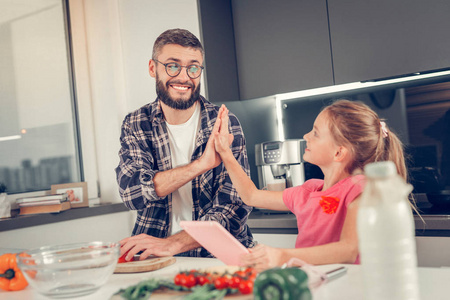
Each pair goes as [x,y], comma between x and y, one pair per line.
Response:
[178,279]
[122,258]
[190,281]
[252,277]
[221,283]
[246,287]
[234,282]
[241,274]
[202,279]
[250,270]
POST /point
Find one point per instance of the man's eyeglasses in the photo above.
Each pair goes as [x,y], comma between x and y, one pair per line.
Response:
[173,69]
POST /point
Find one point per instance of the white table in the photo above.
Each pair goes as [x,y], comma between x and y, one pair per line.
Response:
[434,282]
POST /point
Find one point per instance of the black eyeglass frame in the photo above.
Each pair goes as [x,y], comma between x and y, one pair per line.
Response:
[186,67]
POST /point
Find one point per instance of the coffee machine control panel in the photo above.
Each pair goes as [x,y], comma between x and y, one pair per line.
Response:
[272,152]
[280,152]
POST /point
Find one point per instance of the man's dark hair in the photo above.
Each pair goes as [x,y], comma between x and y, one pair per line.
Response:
[176,36]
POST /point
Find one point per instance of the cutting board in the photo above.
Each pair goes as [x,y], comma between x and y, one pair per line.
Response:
[146,265]
[166,294]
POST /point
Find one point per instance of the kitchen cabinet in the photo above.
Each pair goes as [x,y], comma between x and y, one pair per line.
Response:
[287,46]
[217,37]
[276,240]
[381,39]
[432,251]
[281,46]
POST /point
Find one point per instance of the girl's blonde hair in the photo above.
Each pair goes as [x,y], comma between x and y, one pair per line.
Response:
[356,126]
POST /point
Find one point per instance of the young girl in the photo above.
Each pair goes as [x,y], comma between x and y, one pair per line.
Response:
[346,136]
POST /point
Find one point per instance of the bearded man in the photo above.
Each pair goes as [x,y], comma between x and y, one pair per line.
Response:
[169,170]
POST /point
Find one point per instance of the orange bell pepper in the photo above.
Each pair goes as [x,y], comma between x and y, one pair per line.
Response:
[11,278]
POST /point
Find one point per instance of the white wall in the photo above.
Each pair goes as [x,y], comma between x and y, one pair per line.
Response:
[141,23]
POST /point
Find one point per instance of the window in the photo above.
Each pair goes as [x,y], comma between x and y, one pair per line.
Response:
[38,128]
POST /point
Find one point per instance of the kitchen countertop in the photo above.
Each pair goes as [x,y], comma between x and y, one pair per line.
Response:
[437,221]
[261,221]
[431,222]
[433,282]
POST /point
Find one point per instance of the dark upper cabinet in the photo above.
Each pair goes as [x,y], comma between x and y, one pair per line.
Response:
[257,48]
[385,38]
[221,73]
[281,46]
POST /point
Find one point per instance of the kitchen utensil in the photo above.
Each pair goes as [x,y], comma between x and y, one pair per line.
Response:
[71,270]
[146,265]
[439,198]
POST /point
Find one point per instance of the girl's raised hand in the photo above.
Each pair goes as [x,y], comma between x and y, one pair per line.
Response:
[210,158]
[223,138]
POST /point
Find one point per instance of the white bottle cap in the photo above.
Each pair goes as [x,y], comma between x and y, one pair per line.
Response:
[380,169]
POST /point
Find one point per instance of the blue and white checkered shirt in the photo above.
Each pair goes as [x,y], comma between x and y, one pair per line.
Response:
[145,151]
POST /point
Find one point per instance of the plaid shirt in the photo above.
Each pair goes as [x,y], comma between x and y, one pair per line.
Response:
[145,151]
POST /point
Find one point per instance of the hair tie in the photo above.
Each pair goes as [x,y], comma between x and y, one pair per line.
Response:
[384,129]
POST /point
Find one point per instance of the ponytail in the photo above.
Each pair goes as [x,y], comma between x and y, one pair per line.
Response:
[394,151]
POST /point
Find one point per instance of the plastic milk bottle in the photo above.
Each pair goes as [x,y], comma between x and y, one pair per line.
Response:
[387,236]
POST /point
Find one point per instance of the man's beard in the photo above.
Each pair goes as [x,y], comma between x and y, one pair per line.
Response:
[163,95]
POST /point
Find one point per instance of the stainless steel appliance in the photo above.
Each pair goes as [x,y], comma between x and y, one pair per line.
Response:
[280,163]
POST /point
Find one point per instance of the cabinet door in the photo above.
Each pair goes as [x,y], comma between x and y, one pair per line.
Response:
[281,46]
[276,240]
[385,38]
[220,57]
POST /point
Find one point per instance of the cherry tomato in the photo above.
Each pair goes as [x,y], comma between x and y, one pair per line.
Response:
[178,279]
[122,258]
[246,287]
[241,274]
[234,282]
[221,283]
[252,276]
[190,280]
[202,279]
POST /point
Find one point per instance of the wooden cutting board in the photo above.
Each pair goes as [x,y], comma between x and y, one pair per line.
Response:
[166,294]
[147,265]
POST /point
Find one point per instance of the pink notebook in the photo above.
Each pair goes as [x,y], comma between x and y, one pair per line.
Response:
[216,239]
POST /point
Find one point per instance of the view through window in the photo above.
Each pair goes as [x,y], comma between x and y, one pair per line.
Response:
[38,132]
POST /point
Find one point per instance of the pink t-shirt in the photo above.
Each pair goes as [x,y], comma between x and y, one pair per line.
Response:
[321,214]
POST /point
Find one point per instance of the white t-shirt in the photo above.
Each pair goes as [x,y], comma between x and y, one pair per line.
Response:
[182,141]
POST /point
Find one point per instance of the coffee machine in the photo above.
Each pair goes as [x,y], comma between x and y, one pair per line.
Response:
[280,164]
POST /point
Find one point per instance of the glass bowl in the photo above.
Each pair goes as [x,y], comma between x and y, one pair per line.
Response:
[71,270]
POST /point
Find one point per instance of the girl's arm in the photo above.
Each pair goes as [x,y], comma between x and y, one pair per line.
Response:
[343,251]
[243,184]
